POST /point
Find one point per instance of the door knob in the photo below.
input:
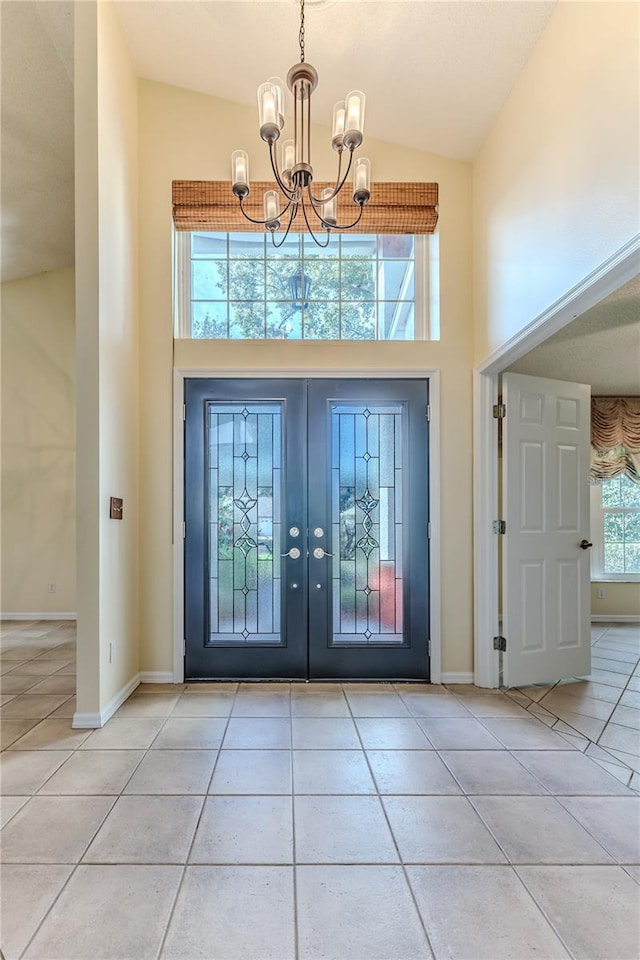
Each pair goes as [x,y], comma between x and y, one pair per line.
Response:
[293,553]
[584,544]
[319,553]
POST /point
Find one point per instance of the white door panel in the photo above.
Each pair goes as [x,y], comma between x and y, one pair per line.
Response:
[546,574]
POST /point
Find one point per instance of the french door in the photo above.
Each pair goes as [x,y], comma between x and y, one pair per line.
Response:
[306,547]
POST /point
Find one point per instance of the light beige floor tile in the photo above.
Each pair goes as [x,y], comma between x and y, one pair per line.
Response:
[613,821]
[149,705]
[491,772]
[382,704]
[324,733]
[469,690]
[392,733]
[411,772]
[586,726]
[538,830]
[10,806]
[204,705]
[146,830]
[627,717]
[467,921]
[261,703]
[590,688]
[100,772]
[586,706]
[12,683]
[128,733]
[8,666]
[494,706]
[56,684]
[67,710]
[53,829]
[624,775]
[342,830]
[258,733]
[244,829]
[608,677]
[618,737]
[319,704]
[23,772]
[173,772]
[599,753]
[210,686]
[549,719]
[519,698]
[358,912]
[610,666]
[634,683]
[205,927]
[36,668]
[109,912]
[628,759]
[191,733]
[576,739]
[445,705]
[537,691]
[5,698]
[264,688]
[155,688]
[420,688]
[69,669]
[51,734]
[610,650]
[440,830]
[630,698]
[27,892]
[633,872]
[252,772]
[594,909]
[517,734]
[63,651]
[570,774]
[455,733]
[331,771]
[12,730]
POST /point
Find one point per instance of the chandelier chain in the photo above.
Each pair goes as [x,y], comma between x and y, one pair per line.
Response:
[301,35]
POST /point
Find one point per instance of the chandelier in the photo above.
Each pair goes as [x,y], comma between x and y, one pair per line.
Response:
[294,174]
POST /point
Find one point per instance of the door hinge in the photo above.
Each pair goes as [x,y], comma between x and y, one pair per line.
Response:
[184,529]
[499,411]
[429,531]
[499,526]
[500,643]
[184,411]
[429,646]
[184,646]
[428,411]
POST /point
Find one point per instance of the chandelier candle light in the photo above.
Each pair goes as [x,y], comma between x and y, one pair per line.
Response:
[294,177]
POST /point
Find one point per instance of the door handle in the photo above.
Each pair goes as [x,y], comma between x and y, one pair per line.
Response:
[319,553]
[584,544]
[293,553]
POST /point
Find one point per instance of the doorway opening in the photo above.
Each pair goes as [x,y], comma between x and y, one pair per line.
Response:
[306,551]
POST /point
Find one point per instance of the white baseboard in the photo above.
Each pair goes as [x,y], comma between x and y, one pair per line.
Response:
[94,720]
[457,677]
[615,618]
[155,676]
[38,616]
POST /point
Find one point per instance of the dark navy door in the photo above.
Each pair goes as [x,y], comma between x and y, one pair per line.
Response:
[306,550]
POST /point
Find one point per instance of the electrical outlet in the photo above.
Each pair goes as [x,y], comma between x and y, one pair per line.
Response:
[111,651]
[52,587]
[600,593]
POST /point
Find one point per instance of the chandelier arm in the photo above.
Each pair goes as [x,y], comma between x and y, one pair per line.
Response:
[336,226]
[313,236]
[339,183]
[289,194]
[292,216]
[261,223]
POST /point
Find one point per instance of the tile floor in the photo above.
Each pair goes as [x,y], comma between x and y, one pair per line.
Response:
[321,822]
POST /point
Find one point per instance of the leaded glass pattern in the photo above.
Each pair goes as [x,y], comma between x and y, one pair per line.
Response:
[244,466]
[366,516]
[621,515]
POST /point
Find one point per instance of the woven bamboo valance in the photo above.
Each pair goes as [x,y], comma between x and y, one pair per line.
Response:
[393,207]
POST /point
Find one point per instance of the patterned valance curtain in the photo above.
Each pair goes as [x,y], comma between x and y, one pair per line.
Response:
[393,208]
[615,438]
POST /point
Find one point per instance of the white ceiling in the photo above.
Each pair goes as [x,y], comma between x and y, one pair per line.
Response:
[601,347]
[436,74]
[37,137]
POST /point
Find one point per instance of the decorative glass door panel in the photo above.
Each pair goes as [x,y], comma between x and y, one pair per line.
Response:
[306,551]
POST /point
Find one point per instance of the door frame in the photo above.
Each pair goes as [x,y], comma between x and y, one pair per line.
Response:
[615,271]
[180,374]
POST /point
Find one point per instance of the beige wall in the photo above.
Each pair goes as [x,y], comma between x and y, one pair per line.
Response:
[107,361]
[38,444]
[184,135]
[556,189]
[620,599]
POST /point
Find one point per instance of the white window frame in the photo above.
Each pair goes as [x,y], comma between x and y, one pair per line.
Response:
[597,538]
[427,289]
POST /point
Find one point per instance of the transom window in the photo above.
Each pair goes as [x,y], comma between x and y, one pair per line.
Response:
[615,523]
[238,286]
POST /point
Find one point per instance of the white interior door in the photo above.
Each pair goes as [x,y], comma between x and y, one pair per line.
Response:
[545,571]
